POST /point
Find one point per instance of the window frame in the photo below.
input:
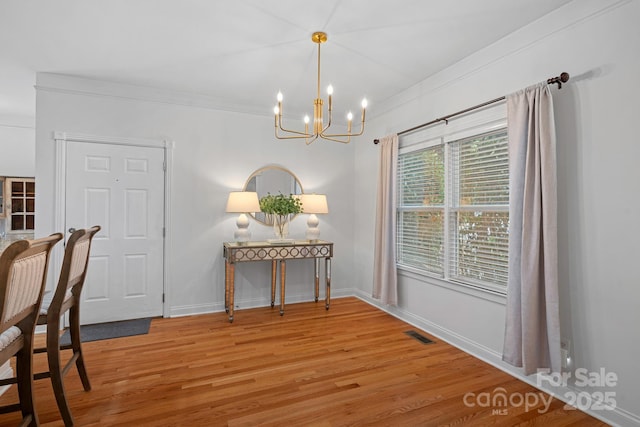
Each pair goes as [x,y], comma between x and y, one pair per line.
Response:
[478,123]
[25,196]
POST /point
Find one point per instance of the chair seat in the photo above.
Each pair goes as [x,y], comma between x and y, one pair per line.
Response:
[9,336]
[48,298]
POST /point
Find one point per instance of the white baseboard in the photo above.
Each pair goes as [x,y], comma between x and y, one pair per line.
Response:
[612,416]
[191,310]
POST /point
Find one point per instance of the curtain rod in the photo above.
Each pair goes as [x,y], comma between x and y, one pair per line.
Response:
[562,78]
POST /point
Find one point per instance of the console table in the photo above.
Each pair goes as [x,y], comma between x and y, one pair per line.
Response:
[276,253]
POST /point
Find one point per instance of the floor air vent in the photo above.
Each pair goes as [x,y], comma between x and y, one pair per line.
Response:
[419,337]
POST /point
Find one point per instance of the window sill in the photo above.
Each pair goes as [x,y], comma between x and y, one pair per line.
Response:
[486,294]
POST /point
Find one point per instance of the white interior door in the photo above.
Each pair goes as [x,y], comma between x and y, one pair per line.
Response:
[120,188]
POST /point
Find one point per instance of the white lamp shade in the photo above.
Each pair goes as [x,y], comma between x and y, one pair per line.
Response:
[243,201]
[314,203]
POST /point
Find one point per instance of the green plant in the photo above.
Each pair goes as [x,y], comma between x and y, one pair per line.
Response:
[280,208]
[280,204]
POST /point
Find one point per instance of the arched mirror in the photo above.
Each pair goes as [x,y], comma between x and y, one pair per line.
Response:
[274,180]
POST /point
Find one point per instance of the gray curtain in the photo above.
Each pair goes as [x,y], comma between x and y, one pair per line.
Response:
[532,334]
[385,281]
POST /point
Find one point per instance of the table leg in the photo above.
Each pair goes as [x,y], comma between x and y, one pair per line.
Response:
[232,272]
[316,275]
[226,286]
[274,268]
[327,272]
[283,269]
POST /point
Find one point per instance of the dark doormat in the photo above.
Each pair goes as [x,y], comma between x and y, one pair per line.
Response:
[105,331]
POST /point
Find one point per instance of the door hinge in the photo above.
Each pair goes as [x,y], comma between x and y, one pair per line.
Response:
[164,166]
[162,297]
[164,232]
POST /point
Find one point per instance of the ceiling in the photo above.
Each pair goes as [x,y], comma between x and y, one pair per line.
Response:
[242,52]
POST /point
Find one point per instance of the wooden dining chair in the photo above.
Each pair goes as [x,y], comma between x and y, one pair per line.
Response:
[23,276]
[66,298]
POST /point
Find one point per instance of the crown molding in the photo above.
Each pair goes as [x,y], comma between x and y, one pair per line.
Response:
[74,85]
[17,121]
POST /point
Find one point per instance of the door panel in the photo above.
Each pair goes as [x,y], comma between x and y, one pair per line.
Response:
[120,188]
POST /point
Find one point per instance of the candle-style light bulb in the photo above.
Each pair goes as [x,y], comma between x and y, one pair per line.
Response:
[330,106]
[349,116]
[306,129]
[364,103]
[276,110]
[279,96]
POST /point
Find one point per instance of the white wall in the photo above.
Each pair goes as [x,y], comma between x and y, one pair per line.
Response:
[215,152]
[598,43]
[18,148]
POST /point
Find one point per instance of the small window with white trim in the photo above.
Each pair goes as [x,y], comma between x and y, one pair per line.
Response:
[453,208]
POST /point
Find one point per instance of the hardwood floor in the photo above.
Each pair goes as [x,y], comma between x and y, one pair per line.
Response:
[353,365]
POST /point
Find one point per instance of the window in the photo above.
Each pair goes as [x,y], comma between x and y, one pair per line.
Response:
[453,209]
[20,198]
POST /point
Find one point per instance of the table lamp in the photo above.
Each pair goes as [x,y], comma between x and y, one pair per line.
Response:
[242,202]
[313,204]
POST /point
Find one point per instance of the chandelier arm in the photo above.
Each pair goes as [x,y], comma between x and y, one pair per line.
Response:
[304,134]
[291,137]
[328,123]
[325,129]
[331,138]
[323,135]
[308,142]
[296,135]
[278,123]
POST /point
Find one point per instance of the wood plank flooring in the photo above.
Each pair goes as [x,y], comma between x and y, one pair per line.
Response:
[352,365]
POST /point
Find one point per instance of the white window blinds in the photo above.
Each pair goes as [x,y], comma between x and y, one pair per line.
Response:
[479,209]
[453,210]
[421,209]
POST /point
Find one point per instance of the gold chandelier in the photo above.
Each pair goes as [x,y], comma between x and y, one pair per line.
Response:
[319,128]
